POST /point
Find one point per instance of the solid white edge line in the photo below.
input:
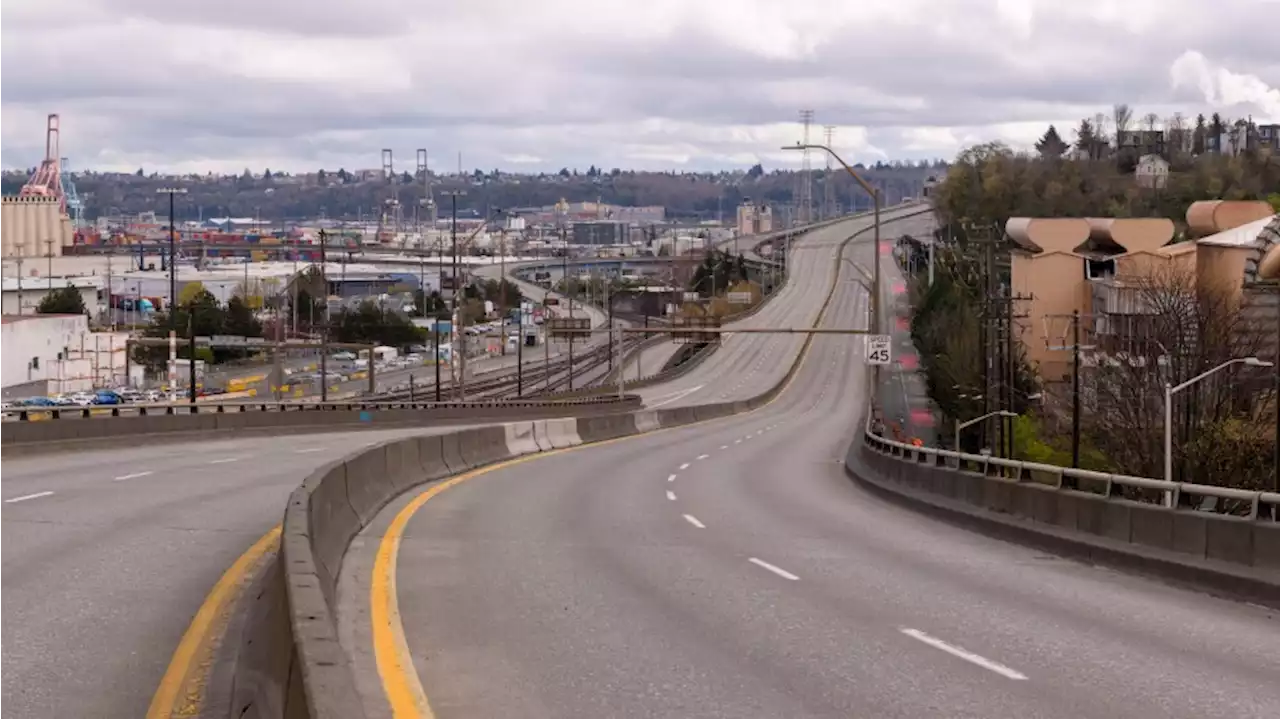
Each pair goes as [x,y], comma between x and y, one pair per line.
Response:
[134,475]
[776,570]
[684,466]
[964,654]
[694,521]
[25,497]
[671,495]
[671,477]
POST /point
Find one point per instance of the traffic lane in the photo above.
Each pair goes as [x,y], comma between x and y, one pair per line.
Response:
[110,470]
[796,305]
[1093,642]
[574,586]
[101,582]
[816,270]
[748,364]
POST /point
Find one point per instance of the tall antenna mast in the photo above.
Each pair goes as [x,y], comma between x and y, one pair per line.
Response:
[805,210]
[828,184]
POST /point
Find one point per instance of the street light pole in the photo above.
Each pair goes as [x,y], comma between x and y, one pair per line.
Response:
[1170,391]
[173,284]
[876,205]
[988,415]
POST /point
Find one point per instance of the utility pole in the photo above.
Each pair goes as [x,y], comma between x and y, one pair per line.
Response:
[1076,345]
[457,353]
[573,292]
[173,283]
[828,183]
[502,289]
[997,341]
[1075,389]
[806,172]
[324,331]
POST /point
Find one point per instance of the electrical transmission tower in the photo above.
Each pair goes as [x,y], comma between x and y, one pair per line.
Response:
[804,211]
[828,180]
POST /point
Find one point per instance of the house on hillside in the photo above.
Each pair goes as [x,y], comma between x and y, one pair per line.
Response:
[1152,172]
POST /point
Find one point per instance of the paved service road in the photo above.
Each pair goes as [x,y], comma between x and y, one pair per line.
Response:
[108,554]
[730,569]
[757,362]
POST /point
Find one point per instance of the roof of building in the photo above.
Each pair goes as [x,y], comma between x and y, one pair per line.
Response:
[38,284]
[1245,235]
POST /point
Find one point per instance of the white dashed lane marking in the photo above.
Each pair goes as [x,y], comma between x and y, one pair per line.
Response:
[964,654]
[775,569]
[25,497]
[134,475]
[694,521]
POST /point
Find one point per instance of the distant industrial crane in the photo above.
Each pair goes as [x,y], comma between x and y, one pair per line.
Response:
[46,181]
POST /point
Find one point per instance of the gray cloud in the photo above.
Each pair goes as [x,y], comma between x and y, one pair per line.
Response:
[293,84]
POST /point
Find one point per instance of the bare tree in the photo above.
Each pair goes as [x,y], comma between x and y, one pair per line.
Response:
[1177,136]
[1121,115]
[1150,121]
[1100,133]
[1172,329]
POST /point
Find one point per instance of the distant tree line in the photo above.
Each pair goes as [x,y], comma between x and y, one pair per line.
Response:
[341,195]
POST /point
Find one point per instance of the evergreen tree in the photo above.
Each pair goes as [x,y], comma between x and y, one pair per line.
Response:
[240,320]
[1051,145]
[1087,139]
[63,301]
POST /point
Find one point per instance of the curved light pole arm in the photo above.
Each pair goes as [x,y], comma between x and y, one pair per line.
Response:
[1170,391]
[970,423]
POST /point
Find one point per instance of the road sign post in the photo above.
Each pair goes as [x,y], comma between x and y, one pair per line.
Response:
[879,349]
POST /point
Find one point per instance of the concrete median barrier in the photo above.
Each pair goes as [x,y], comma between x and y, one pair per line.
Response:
[484,445]
[647,421]
[431,457]
[563,433]
[75,433]
[599,429]
[520,438]
[541,437]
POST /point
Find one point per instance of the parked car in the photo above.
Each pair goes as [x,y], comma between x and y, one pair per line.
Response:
[106,396]
[35,402]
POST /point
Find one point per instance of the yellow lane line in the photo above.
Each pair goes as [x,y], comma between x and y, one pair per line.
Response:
[400,681]
[181,690]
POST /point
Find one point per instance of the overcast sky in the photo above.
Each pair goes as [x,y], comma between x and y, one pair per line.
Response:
[645,84]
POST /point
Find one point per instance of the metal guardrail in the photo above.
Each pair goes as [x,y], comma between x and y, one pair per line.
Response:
[1179,496]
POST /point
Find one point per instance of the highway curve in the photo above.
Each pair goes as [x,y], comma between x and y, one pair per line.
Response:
[730,569]
[756,362]
[111,553]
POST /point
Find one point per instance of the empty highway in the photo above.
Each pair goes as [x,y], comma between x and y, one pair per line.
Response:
[747,364]
[731,569]
[108,555]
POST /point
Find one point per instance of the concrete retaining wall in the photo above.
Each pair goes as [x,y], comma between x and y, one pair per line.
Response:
[1232,555]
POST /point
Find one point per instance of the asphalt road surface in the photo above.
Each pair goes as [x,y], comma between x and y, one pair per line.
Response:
[107,555]
[751,363]
[731,569]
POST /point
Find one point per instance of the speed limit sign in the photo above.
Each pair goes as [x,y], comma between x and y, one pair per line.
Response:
[879,349]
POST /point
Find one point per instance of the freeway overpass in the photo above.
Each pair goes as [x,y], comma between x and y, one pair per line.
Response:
[724,568]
